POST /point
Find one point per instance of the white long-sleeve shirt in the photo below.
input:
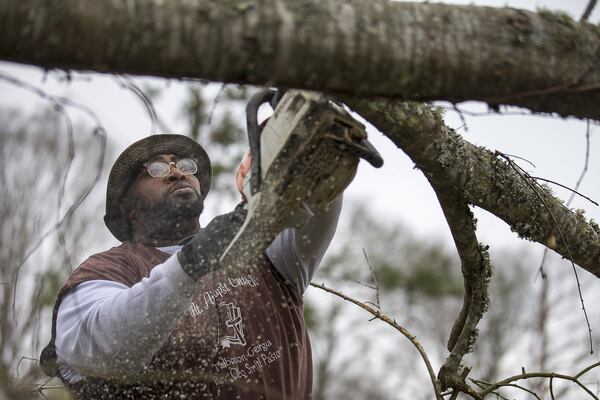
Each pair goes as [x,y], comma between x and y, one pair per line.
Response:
[99,321]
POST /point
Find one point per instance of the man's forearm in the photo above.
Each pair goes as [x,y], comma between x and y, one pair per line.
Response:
[105,328]
[297,253]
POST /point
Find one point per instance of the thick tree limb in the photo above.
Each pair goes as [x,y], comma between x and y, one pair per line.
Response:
[482,179]
[545,62]
[476,269]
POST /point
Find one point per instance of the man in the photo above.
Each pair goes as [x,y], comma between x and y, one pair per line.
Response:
[157,319]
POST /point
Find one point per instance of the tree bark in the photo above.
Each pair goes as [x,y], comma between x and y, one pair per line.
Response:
[545,62]
[481,178]
[476,270]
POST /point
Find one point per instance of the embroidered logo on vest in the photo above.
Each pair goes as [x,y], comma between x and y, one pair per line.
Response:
[231,327]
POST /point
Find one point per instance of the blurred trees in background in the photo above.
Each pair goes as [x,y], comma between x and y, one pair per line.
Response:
[43,175]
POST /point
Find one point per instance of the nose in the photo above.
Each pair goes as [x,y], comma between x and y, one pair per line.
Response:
[174,173]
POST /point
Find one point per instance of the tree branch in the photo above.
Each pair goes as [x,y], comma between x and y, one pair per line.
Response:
[528,179]
[545,62]
[482,179]
[392,322]
[476,269]
[551,375]
[588,10]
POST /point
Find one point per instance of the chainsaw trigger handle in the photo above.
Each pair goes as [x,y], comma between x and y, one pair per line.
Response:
[277,97]
[258,99]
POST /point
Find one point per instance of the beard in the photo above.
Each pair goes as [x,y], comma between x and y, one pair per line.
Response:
[167,211]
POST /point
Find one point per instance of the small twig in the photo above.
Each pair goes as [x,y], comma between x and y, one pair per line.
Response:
[156,121]
[518,170]
[392,322]
[462,118]
[521,158]
[364,284]
[524,389]
[492,113]
[588,11]
[574,191]
[70,154]
[67,76]
[62,241]
[550,375]
[216,101]
[541,269]
[585,165]
[133,88]
[39,389]
[377,298]
[552,388]
[586,369]
[51,387]
[24,358]
[483,385]
[61,190]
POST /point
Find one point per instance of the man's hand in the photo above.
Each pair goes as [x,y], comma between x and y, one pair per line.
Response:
[200,255]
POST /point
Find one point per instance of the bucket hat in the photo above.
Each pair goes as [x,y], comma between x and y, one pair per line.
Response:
[130,162]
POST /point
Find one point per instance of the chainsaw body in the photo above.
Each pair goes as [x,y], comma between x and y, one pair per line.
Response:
[306,154]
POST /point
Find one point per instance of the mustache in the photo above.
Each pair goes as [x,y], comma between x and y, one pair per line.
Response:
[181,185]
[165,207]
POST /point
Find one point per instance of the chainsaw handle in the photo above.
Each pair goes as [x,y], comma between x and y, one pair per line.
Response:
[257,99]
[363,149]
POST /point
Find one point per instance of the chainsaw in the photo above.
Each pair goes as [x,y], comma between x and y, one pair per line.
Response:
[303,157]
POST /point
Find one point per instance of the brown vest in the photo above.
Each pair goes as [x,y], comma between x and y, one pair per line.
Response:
[242,337]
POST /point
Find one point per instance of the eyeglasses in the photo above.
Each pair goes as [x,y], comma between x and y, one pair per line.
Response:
[160,169]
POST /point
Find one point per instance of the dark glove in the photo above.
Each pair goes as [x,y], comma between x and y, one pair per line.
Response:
[201,254]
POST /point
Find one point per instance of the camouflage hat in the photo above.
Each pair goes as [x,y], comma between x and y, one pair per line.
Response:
[130,162]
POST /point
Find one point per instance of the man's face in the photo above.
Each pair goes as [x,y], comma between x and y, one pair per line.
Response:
[173,195]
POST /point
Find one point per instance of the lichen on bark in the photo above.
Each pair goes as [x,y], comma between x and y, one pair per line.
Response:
[484,179]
